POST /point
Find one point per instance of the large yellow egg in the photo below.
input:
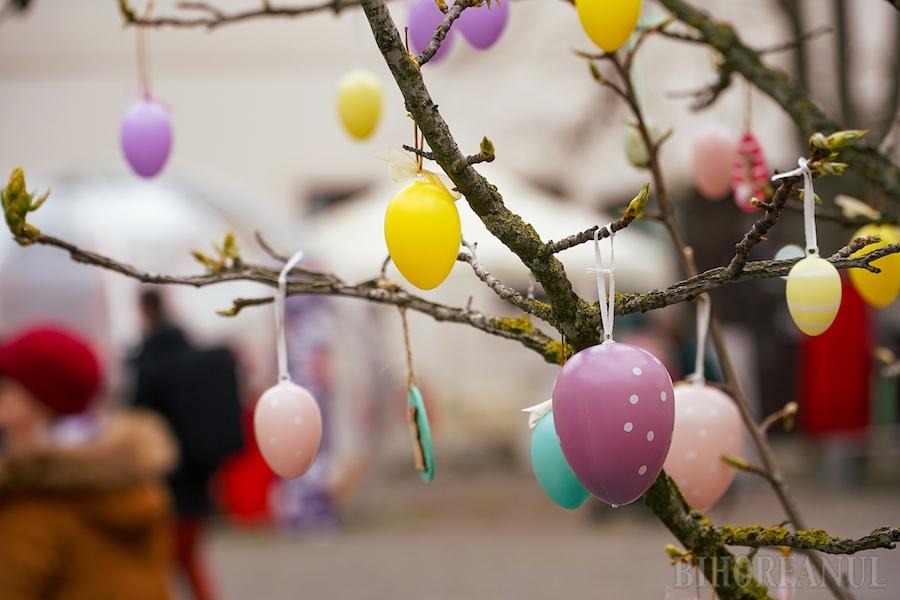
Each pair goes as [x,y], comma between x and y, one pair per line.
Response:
[813,294]
[359,103]
[422,231]
[878,289]
[608,23]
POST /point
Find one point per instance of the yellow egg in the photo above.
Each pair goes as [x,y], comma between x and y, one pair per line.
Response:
[608,23]
[422,231]
[878,289]
[359,103]
[813,294]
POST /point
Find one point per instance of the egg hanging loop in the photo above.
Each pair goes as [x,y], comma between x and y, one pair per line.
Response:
[280,299]
[606,282]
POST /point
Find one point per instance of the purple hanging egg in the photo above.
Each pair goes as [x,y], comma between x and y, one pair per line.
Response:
[146,136]
[614,412]
[424,17]
[482,26]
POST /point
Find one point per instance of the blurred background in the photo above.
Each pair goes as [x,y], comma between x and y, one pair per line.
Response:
[258,147]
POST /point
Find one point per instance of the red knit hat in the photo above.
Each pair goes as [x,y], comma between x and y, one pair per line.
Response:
[60,370]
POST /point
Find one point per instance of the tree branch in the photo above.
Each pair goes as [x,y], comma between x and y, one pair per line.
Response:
[569,311]
[308,281]
[739,58]
[443,29]
[216,17]
[754,536]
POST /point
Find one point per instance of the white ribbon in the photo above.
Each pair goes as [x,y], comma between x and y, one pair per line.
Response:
[809,203]
[404,168]
[606,282]
[537,412]
[280,297]
[703,309]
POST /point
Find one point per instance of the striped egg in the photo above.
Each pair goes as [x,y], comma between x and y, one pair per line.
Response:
[813,294]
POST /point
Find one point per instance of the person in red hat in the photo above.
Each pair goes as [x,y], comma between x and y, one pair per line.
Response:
[83,511]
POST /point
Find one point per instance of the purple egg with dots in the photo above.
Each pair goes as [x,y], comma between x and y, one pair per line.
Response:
[614,412]
[424,17]
[481,25]
[146,137]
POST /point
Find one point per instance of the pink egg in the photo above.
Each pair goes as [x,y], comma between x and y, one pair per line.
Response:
[424,17]
[146,137]
[288,428]
[614,411]
[714,152]
[707,425]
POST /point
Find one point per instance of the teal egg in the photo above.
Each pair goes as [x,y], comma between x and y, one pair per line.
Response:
[553,473]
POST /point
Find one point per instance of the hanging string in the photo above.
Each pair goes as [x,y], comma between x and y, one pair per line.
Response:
[410,372]
[418,144]
[280,297]
[703,310]
[748,108]
[142,68]
[606,282]
[809,203]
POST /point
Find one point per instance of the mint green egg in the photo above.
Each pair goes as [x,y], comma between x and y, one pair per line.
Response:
[553,473]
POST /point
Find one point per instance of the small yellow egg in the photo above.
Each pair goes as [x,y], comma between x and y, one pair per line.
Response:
[359,103]
[878,289]
[813,294]
[423,233]
[608,23]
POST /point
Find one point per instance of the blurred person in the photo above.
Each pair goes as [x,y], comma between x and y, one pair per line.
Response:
[196,391]
[83,511]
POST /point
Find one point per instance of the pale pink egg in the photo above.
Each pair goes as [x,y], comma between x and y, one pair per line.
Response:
[714,154]
[707,426]
[288,428]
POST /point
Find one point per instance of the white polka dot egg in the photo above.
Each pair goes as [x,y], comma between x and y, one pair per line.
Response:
[707,426]
[288,428]
[614,412]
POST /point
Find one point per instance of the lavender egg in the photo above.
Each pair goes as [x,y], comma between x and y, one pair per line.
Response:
[146,137]
[424,17]
[483,26]
[614,412]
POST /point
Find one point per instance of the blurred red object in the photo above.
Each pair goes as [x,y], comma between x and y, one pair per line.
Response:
[835,370]
[245,480]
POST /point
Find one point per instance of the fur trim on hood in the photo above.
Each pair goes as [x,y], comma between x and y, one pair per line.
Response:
[131,447]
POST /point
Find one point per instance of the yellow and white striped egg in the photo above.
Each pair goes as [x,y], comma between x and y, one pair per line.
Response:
[813,294]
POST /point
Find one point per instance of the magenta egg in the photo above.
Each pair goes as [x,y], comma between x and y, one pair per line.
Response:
[424,17]
[614,411]
[146,137]
[483,26]
[288,427]
[714,153]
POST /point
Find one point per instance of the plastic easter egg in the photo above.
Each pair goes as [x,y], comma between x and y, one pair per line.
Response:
[550,468]
[422,231]
[635,148]
[288,428]
[424,17]
[608,23]
[146,137]
[707,426]
[750,175]
[813,294]
[614,412]
[788,252]
[713,158]
[359,103]
[483,25]
[878,289]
